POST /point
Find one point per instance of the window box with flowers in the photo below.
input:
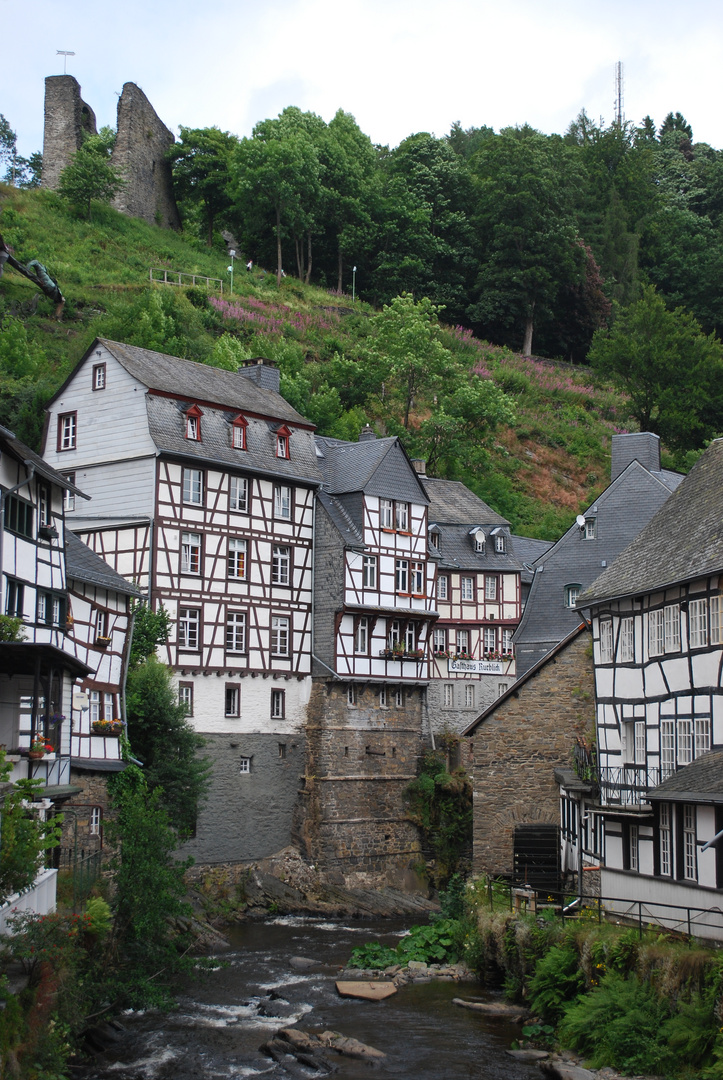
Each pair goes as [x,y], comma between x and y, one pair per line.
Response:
[443,654]
[462,656]
[108,727]
[102,642]
[400,653]
[496,656]
[40,748]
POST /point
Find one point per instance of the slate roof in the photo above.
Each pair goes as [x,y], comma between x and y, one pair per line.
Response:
[528,550]
[82,564]
[700,781]
[201,382]
[450,502]
[374,466]
[17,449]
[456,552]
[343,521]
[621,511]
[167,426]
[683,541]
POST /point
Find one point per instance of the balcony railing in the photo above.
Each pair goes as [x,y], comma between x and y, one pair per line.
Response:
[626,785]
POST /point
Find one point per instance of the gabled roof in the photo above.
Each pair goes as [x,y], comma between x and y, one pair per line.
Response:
[342,520]
[528,550]
[450,502]
[457,551]
[82,564]
[683,541]
[375,466]
[196,382]
[519,683]
[700,781]
[10,443]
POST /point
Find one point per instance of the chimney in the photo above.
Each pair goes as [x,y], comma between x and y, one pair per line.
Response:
[642,446]
[263,372]
[420,465]
[367,434]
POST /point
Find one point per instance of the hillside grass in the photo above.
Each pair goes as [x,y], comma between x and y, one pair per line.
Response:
[539,472]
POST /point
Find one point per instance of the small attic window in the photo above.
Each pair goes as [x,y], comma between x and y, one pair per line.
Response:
[434,537]
[238,432]
[282,442]
[479,540]
[500,542]
[193,423]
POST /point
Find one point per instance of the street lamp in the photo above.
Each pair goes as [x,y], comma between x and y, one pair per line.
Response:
[232,253]
[353,283]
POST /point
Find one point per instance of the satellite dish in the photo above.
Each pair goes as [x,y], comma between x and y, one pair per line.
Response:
[580,521]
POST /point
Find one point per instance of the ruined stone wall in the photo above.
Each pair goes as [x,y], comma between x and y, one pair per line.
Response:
[352,822]
[519,745]
[67,118]
[139,154]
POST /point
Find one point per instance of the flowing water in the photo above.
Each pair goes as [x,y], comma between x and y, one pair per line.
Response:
[224,1016]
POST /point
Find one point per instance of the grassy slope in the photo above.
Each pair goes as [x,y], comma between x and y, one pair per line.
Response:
[542,471]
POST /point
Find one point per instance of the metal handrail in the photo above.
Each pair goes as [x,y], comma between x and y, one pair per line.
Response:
[168,275]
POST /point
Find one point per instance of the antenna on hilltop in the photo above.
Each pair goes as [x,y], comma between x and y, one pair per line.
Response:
[65,53]
[619,114]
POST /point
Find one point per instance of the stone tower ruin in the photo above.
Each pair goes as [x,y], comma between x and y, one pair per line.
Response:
[139,154]
[67,120]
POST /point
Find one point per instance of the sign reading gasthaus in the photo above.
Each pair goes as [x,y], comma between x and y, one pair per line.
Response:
[478,667]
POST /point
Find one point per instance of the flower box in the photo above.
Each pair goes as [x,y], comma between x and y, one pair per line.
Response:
[107,727]
[102,642]
[402,654]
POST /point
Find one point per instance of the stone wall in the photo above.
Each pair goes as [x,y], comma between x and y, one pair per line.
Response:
[67,118]
[352,822]
[139,155]
[248,815]
[458,715]
[517,747]
[76,824]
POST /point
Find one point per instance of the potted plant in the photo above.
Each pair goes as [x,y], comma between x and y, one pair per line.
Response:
[37,749]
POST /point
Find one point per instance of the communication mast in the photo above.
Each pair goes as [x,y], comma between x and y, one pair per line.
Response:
[619,114]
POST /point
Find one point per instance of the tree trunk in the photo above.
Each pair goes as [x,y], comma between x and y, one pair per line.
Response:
[308,262]
[209,235]
[299,259]
[529,324]
[278,246]
[340,267]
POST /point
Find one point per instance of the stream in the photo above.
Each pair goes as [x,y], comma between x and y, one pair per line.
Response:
[225,1015]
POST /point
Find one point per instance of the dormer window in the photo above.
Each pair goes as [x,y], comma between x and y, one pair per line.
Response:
[499,541]
[238,433]
[193,423]
[434,537]
[478,540]
[282,442]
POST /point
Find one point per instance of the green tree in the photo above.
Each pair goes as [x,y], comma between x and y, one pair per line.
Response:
[25,836]
[90,174]
[672,371]
[202,177]
[407,339]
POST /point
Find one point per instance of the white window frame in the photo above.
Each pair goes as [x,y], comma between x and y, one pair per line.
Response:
[417,576]
[466,588]
[278,704]
[590,528]
[185,697]
[572,593]
[698,623]
[238,494]
[280,635]
[282,447]
[606,641]
[633,837]
[193,428]
[667,748]
[192,484]
[442,587]
[281,564]
[672,628]
[399,697]
[237,558]
[440,639]
[69,496]
[244,766]
[500,543]
[369,571]
[282,502]
[189,623]
[386,514]
[401,516]
[690,862]
[191,553]
[410,637]
[232,701]
[665,837]
[627,640]
[463,640]
[469,695]
[95,819]
[640,736]
[68,431]
[507,641]
[99,376]
[238,436]
[702,735]
[401,577]
[361,637]
[448,701]
[382,697]
[489,639]
[394,633]
[236,631]
[716,619]
[685,741]
[351,695]
[490,587]
[656,632]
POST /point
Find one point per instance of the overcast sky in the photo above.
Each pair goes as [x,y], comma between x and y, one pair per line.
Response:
[399,66]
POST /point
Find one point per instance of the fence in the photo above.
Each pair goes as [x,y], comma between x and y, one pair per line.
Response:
[40,898]
[706,923]
[176,277]
[85,868]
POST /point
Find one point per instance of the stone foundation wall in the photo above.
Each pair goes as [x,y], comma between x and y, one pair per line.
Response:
[67,118]
[519,745]
[248,815]
[352,821]
[76,824]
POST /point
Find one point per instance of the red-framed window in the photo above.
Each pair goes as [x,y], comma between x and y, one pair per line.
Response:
[193,424]
[67,431]
[283,449]
[238,432]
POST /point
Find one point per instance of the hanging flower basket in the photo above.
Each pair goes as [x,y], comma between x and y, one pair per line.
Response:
[107,727]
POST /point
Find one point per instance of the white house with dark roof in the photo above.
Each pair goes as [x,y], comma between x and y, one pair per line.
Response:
[203,483]
[657,625]
[478,597]
[638,488]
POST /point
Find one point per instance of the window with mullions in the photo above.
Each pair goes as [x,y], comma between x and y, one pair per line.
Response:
[278,704]
[238,494]
[401,516]
[671,619]
[361,638]
[69,496]
[43,506]
[51,609]
[280,565]
[490,587]
[627,640]
[14,598]
[571,594]
[442,587]
[193,487]
[98,377]
[190,553]
[236,631]
[185,697]
[665,840]
[280,631]
[238,433]
[606,641]
[67,431]
[19,516]
[386,513]
[490,639]
[232,700]
[402,575]
[467,587]
[236,558]
[698,623]
[188,625]
[656,632]
[690,867]
[410,637]
[716,619]
[369,571]
[440,640]
[282,502]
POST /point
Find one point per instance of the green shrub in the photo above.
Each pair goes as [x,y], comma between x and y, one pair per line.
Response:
[557,981]
[373,955]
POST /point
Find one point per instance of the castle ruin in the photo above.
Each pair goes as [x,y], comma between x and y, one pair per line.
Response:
[139,154]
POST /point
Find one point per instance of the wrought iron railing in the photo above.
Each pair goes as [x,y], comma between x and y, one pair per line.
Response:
[626,785]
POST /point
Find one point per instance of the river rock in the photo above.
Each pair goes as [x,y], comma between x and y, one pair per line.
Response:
[417,966]
[562,1070]
[528,1055]
[369,991]
[515,1013]
[300,963]
[349,1047]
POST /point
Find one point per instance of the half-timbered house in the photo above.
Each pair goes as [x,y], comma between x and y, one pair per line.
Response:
[478,597]
[203,486]
[657,624]
[373,611]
